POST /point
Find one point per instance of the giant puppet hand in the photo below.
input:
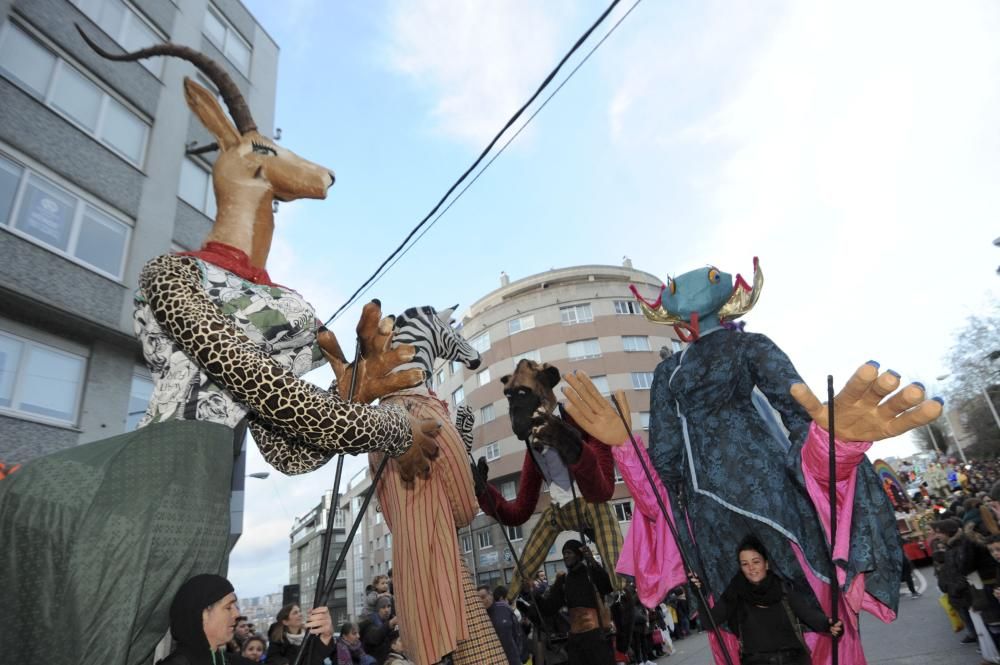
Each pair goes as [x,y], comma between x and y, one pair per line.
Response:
[378,359]
[594,414]
[416,461]
[860,414]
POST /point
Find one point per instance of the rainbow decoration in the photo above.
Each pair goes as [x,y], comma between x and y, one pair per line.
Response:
[885,473]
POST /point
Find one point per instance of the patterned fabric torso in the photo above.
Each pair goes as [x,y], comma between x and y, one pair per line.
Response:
[277,319]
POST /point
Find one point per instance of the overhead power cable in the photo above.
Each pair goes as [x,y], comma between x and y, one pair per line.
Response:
[441,214]
[402,248]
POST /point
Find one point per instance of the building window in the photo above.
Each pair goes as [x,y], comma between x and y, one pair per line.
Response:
[508,490]
[466,544]
[38,210]
[485,539]
[439,377]
[601,383]
[39,380]
[515,533]
[388,541]
[642,380]
[124,24]
[636,343]
[584,348]
[226,39]
[72,94]
[339,519]
[487,414]
[456,367]
[618,476]
[676,345]
[195,187]
[515,326]
[481,343]
[483,377]
[528,355]
[623,511]
[575,314]
[378,517]
[493,451]
[138,400]
[627,307]
[644,419]
[458,396]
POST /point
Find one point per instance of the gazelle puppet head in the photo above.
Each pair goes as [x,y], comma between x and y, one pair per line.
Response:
[251,170]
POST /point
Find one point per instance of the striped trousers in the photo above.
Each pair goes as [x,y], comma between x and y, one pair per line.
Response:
[556,519]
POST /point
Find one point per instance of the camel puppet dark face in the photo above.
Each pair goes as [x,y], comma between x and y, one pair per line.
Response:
[529,394]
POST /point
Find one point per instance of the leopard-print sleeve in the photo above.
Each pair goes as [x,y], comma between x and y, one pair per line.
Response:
[286,406]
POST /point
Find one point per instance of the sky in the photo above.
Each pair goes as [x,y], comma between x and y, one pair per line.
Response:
[853,146]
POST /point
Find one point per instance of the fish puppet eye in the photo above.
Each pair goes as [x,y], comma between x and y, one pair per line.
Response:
[713,276]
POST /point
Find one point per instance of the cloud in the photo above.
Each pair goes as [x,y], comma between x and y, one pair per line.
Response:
[478,61]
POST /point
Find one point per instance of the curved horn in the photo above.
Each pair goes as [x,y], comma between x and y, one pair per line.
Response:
[227,87]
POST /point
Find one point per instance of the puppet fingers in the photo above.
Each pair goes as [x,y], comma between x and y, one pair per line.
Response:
[808,401]
[622,402]
[882,386]
[927,411]
[906,398]
[858,384]
[588,392]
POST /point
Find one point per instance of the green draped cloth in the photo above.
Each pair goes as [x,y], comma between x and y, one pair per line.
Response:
[95,541]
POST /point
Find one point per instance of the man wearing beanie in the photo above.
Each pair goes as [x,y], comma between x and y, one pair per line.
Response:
[581,590]
[203,617]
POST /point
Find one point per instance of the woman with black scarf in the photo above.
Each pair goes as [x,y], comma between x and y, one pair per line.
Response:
[766,613]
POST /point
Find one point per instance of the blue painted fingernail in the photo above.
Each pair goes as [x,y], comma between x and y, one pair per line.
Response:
[893,372]
[939,400]
[919,385]
[873,363]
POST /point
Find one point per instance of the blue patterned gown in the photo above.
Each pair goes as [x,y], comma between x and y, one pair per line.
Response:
[718,449]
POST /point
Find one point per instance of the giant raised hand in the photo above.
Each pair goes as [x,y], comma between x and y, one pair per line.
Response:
[861,410]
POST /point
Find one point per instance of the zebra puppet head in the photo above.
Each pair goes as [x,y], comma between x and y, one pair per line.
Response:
[432,336]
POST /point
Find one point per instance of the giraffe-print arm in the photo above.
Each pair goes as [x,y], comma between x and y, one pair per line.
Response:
[172,287]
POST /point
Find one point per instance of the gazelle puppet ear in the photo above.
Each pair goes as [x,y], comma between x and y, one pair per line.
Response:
[204,105]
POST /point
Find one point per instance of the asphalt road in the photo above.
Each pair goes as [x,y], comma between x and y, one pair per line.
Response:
[921,635]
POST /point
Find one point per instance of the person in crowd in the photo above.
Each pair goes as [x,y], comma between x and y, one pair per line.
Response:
[240,635]
[350,651]
[285,636]
[766,612]
[541,581]
[254,647]
[397,655]
[377,589]
[622,611]
[908,576]
[640,629]
[504,621]
[581,589]
[203,618]
[379,630]
[679,601]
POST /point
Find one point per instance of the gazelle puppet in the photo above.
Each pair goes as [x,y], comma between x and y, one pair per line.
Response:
[112,528]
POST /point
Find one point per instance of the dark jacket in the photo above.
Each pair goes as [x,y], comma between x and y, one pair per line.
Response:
[768,629]
[377,637]
[508,630]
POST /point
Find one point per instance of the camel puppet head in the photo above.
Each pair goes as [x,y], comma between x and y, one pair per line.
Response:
[252,171]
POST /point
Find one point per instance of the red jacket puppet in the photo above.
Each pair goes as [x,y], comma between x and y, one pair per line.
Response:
[579,471]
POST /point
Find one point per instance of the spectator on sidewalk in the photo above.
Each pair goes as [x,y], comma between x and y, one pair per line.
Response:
[504,621]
